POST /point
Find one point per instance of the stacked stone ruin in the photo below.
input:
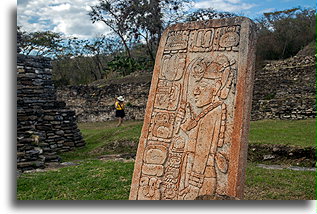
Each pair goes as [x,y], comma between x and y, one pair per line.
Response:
[285,89]
[45,126]
[95,104]
[282,90]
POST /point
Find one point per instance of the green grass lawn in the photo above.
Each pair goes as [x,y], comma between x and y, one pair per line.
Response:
[90,180]
[95,179]
[266,184]
[109,180]
[96,135]
[99,134]
[286,132]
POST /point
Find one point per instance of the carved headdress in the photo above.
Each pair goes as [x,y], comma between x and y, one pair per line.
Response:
[201,68]
[216,68]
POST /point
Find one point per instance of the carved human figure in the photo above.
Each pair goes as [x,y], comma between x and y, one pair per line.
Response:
[194,138]
[212,82]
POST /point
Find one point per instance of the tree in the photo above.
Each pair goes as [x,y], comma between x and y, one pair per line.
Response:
[205,14]
[150,17]
[41,43]
[97,48]
[137,20]
[84,61]
[75,61]
[123,65]
[283,33]
[114,14]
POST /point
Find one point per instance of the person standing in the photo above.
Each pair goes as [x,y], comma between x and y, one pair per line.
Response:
[119,105]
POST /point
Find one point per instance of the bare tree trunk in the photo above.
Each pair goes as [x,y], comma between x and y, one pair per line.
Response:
[98,65]
[149,47]
[125,46]
[284,48]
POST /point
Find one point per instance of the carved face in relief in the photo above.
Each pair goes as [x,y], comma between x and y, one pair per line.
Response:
[205,91]
[209,77]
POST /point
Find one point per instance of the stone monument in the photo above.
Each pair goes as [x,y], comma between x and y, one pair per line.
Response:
[194,137]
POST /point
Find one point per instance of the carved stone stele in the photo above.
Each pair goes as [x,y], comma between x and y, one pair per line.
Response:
[194,137]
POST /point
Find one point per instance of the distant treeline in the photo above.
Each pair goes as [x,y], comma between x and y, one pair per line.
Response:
[136,31]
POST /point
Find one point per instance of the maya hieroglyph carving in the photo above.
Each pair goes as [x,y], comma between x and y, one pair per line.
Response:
[193,138]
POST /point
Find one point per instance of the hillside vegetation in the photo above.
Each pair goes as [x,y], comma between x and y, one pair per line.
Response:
[281,34]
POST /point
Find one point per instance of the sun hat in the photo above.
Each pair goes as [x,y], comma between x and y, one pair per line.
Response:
[120,98]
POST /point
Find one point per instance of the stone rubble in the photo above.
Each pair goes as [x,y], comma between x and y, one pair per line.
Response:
[283,89]
[45,126]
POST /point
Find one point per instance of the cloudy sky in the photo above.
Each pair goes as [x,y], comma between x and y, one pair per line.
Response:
[70,16]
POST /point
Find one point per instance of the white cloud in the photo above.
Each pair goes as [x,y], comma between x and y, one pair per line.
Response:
[267,10]
[61,7]
[69,17]
[224,5]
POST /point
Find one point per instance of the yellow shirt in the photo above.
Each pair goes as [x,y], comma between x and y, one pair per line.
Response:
[119,106]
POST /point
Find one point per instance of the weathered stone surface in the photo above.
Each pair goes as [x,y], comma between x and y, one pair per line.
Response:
[285,89]
[94,104]
[42,121]
[194,137]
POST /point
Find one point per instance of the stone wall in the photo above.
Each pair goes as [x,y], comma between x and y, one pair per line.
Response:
[282,90]
[285,90]
[45,126]
[96,103]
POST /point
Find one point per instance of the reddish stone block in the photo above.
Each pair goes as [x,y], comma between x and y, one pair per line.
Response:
[194,138]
